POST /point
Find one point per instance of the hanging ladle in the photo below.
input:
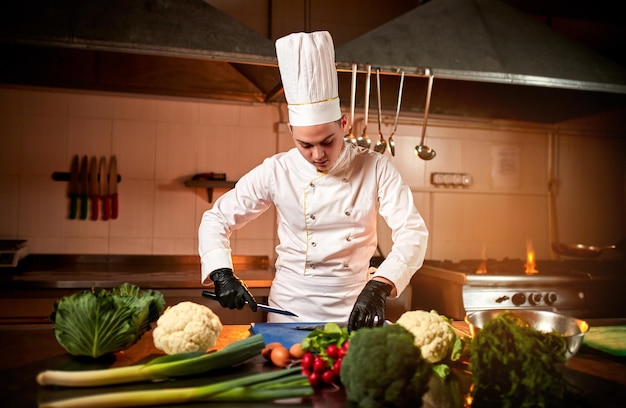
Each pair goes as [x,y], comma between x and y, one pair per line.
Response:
[392,144]
[422,151]
[350,137]
[381,145]
[364,140]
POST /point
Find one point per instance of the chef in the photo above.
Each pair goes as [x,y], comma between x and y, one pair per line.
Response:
[327,194]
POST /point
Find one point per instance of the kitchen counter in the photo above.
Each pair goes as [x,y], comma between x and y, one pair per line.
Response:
[28,349]
[28,292]
[150,271]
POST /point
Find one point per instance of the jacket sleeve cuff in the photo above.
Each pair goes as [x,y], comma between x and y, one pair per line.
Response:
[215,259]
[399,273]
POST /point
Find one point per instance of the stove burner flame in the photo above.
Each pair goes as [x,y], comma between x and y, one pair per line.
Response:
[530,268]
[482,268]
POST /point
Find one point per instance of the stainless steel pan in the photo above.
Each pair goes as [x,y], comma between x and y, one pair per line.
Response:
[586,251]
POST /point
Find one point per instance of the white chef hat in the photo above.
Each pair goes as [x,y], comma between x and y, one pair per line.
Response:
[307,68]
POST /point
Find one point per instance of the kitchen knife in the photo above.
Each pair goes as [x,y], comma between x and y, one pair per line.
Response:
[265,308]
[94,188]
[83,180]
[73,188]
[104,189]
[320,326]
[113,187]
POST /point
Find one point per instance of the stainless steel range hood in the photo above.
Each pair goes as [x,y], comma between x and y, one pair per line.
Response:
[181,47]
[489,60]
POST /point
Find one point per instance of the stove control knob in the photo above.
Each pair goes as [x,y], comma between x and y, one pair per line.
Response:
[518,299]
[534,299]
[550,298]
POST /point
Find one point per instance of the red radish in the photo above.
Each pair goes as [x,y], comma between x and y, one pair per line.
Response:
[332,351]
[307,361]
[328,376]
[319,365]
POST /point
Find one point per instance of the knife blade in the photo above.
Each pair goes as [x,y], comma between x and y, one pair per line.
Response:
[113,187]
[83,180]
[104,189]
[265,308]
[73,188]
[94,188]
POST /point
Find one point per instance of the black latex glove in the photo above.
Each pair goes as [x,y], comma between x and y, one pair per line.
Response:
[370,304]
[231,291]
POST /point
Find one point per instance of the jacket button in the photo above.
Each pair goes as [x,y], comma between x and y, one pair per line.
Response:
[311,184]
[348,239]
[347,213]
[313,244]
[312,216]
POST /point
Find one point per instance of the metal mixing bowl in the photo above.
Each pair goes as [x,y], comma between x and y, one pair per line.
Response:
[573,330]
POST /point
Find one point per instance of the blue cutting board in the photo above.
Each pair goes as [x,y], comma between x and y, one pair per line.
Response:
[283,333]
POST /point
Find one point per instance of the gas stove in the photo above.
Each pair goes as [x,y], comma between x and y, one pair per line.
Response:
[581,289]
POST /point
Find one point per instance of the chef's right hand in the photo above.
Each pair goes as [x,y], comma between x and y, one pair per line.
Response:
[231,291]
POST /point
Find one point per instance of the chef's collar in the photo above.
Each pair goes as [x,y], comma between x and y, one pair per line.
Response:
[309,76]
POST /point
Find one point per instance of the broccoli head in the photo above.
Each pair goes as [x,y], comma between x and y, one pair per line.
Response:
[384,368]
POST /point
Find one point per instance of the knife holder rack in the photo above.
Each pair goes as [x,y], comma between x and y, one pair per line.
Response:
[65,176]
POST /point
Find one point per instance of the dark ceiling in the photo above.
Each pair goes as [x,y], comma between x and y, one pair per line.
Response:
[192,48]
[597,24]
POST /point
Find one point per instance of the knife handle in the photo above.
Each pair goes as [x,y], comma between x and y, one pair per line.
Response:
[84,206]
[209,295]
[73,206]
[95,204]
[114,206]
[106,207]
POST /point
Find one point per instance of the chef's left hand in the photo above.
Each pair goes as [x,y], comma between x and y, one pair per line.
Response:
[369,305]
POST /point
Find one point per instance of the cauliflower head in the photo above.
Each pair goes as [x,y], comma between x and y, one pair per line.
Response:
[186,327]
[432,333]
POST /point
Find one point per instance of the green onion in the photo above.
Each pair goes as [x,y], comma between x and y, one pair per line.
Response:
[270,386]
[159,368]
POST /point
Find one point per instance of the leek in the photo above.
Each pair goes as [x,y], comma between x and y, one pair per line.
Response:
[270,386]
[160,368]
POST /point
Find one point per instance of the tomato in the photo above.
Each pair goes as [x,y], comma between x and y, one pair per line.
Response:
[328,376]
[307,361]
[332,351]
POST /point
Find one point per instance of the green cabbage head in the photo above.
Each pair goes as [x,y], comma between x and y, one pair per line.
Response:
[98,322]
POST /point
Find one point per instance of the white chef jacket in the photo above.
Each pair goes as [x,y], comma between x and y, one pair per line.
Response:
[326,229]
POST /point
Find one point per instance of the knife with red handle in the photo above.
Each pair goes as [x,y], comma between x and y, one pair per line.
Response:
[94,188]
[73,189]
[104,190]
[84,186]
[113,187]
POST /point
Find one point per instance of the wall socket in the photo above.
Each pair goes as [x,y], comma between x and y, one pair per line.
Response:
[451,179]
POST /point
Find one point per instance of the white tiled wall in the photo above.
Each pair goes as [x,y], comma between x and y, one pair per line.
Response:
[161,142]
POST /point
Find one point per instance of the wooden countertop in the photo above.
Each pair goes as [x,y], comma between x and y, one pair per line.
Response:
[28,349]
